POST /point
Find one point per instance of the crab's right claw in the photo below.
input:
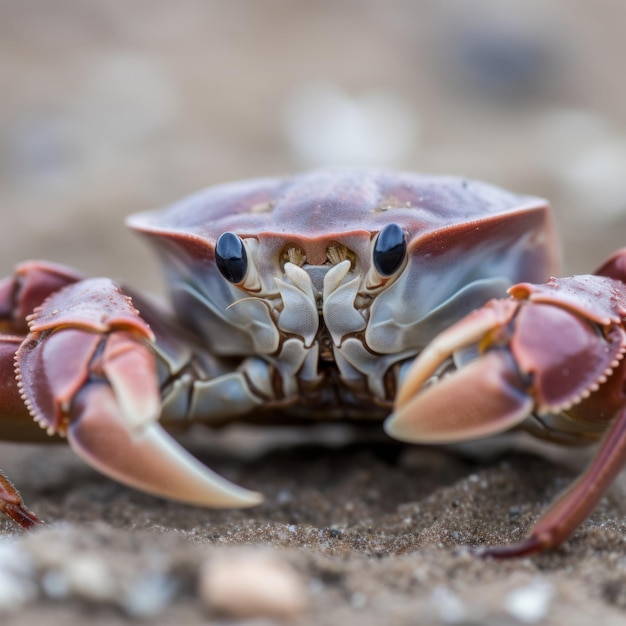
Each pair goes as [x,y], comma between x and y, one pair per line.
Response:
[482,398]
[148,458]
[86,370]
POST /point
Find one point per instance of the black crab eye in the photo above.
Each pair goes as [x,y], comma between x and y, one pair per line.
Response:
[389,250]
[231,257]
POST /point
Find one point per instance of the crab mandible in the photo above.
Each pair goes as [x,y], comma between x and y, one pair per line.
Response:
[310,298]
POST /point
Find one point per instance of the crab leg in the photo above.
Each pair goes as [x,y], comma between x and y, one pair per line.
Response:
[14,425]
[575,504]
[31,283]
[614,266]
[86,370]
[11,504]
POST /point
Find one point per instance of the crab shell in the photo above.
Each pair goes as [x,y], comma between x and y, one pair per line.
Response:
[312,292]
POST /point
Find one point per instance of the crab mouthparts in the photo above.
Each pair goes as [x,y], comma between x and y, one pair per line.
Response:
[317,274]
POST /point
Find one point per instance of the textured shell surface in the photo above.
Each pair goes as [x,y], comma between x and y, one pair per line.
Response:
[331,203]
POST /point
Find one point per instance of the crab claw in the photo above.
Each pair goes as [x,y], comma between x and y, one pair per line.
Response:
[482,398]
[149,459]
[86,370]
[538,352]
[544,352]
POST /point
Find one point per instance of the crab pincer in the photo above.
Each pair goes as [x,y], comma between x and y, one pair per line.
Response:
[548,360]
[86,370]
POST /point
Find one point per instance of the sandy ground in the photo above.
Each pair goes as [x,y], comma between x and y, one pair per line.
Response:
[365,533]
[109,108]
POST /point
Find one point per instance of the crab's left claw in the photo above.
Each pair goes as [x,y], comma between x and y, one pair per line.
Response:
[544,352]
[482,398]
[86,370]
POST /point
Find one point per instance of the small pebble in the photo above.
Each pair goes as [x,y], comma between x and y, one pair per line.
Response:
[449,606]
[55,585]
[17,586]
[149,596]
[251,583]
[89,578]
[529,604]
[15,591]
[14,560]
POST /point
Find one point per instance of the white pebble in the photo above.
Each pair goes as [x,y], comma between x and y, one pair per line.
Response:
[89,577]
[529,604]
[15,560]
[55,584]
[17,586]
[15,591]
[249,583]
[149,596]
[449,606]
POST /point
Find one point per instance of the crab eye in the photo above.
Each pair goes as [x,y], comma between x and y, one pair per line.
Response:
[389,249]
[231,257]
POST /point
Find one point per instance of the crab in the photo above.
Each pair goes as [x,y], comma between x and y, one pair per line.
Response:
[333,295]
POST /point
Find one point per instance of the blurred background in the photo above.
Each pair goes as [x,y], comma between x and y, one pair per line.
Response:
[108,108]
